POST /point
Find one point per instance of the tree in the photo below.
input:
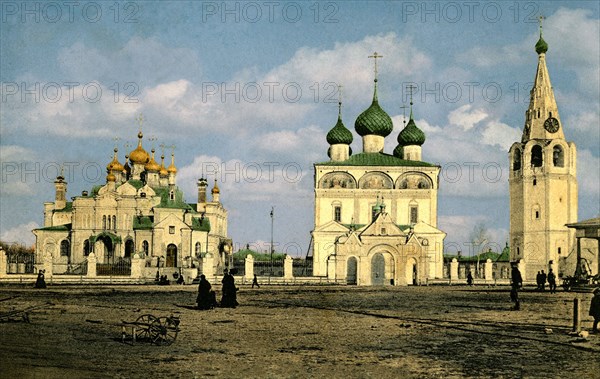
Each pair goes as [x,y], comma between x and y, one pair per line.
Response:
[479,237]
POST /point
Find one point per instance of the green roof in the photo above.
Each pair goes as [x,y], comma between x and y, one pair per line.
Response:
[176,203]
[411,134]
[68,207]
[137,184]
[339,134]
[374,120]
[61,228]
[376,159]
[541,46]
[201,224]
[143,222]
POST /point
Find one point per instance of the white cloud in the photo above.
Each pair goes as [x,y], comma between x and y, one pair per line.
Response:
[465,117]
[21,234]
[15,153]
[500,134]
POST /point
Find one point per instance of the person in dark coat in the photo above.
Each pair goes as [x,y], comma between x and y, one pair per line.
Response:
[516,283]
[538,280]
[40,282]
[229,297]
[206,297]
[469,279]
[595,309]
[552,281]
[543,278]
[255,282]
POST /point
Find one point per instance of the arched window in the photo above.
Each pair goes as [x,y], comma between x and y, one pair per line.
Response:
[129,247]
[114,222]
[145,247]
[171,195]
[558,156]
[86,248]
[536,156]
[104,222]
[337,213]
[517,160]
[414,214]
[65,248]
[108,223]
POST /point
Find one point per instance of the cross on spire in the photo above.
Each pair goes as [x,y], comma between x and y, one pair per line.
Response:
[340,99]
[375,56]
[411,89]
[403,107]
[116,139]
[140,120]
[541,18]
[152,139]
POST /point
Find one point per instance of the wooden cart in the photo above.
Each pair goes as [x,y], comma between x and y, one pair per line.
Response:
[156,330]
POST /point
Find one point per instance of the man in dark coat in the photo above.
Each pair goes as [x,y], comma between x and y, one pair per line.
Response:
[40,281]
[206,298]
[229,298]
[595,309]
[552,281]
[543,278]
[517,282]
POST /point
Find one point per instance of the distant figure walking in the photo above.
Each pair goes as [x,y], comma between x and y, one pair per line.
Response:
[543,278]
[229,297]
[595,309]
[552,281]
[516,283]
[40,282]
[469,279]
[255,282]
[207,298]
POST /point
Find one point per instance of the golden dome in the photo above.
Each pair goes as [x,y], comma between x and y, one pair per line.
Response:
[115,165]
[172,168]
[163,171]
[139,155]
[152,165]
[215,188]
[111,177]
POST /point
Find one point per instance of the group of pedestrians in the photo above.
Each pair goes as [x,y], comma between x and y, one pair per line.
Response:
[542,278]
[207,298]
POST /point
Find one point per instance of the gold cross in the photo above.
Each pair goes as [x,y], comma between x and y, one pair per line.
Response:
[375,56]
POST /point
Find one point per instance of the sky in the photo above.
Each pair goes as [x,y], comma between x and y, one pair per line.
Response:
[245,92]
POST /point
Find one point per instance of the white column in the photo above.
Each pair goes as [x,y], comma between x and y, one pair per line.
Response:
[454,270]
[2,263]
[208,266]
[488,270]
[331,267]
[249,267]
[288,267]
[91,265]
[137,266]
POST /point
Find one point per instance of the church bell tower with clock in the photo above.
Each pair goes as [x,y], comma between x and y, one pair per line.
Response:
[542,182]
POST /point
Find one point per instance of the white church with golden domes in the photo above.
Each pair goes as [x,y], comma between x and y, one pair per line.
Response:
[376,213]
[138,211]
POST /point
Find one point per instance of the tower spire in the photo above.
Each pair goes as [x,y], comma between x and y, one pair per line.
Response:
[339,101]
[375,56]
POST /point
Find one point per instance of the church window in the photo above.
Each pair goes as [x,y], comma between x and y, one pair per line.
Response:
[558,156]
[538,116]
[104,222]
[517,160]
[145,247]
[114,218]
[383,231]
[414,214]
[65,246]
[171,230]
[143,195]
[337,213]
[537,214]
[423,184]
[109,222]
[559,251]
[171,195]
[404,184]
[129,247]
[534,181]
[86,248]
[536,156]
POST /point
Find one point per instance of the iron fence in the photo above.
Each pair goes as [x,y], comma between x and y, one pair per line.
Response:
[122,267]
[20,263]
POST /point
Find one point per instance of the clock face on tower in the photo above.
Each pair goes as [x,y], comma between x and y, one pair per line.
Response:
[551,125]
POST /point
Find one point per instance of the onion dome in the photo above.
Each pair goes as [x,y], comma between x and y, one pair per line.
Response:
[114,165]
[541,46]
[111,177]
[172,168]
[152,165]
[163,171]
[374,120]
[411,134]
[399,152]
[215,188]
[139,155]
[339,134]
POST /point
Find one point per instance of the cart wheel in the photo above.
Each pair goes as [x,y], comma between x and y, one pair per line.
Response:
[163,330]
[143,331]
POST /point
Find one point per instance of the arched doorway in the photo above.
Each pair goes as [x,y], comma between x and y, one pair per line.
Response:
[351,271]
[171,256]
[129,248]
[105,246]
[377,270]
[412,272]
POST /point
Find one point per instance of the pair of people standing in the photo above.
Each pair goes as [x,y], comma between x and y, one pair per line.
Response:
[541,279]
[207,298]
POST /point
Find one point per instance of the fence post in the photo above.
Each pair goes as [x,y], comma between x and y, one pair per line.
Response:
[2,263]
[91,265]
[454,270]
[208,268]
[488,270]
[576,316]
[249,267]
[137,265]
[288,267]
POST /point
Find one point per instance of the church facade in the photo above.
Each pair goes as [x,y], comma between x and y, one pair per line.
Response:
[138,211]
[376,213]
[542,182]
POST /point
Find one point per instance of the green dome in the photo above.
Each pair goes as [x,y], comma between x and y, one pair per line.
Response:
[399,152]
[339,134]
[541,46]
[374,120]
[411,134]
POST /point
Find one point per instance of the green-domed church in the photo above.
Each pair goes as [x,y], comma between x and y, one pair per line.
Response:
[376,213]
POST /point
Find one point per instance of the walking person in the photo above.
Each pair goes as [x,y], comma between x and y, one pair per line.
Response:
[551,281]
[255,282]
[40,282]
[595,309]
[229,297]
[516,283]
[206,297]
[469,279]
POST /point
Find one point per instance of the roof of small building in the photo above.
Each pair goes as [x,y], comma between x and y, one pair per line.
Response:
[376,159]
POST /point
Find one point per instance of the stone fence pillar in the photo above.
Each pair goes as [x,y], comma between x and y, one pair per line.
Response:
[288,267]
[488,270]
[454,270]
[331,267]
[137,266]
[208,266]
[249,267]
[48,265]
[2,263]
[91,265]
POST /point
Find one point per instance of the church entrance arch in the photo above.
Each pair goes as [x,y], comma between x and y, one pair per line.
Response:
[351,271]
[129,248]
[105,246]
[412,272]
[377,270]
[171,256]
